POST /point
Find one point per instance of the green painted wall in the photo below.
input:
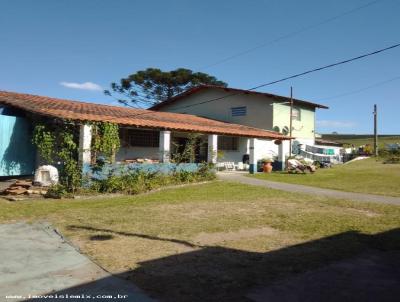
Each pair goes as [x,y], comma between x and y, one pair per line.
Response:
[305,128]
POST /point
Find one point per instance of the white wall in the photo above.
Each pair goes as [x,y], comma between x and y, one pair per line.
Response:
[263,148]
[266,148]
[236,156]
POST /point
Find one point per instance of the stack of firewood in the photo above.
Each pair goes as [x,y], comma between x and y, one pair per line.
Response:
[23,187]
[18,188]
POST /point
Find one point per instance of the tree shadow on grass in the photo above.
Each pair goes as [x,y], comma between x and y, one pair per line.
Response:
[213,273]
[88,228]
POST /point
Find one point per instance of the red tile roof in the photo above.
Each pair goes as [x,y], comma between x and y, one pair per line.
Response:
[233,91]
[81,111]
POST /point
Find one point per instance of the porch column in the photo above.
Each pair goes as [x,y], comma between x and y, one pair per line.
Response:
[165,146]
[212,148]
[253,159]
[283,152]
[85,140]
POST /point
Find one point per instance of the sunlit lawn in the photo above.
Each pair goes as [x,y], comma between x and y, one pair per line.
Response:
[213,241]
[365,176]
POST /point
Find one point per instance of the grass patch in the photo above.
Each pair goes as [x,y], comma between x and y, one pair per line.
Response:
[359,140]
[364,176]
[213,242]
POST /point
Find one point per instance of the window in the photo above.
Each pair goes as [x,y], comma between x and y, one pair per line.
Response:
[139,138]
[239,111]
[296,114]
[228,143]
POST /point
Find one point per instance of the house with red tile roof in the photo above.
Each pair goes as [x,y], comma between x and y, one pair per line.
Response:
[253,109]
[145,134]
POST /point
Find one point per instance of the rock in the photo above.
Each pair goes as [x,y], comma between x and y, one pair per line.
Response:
[23,183]
[16,190]
[14,198]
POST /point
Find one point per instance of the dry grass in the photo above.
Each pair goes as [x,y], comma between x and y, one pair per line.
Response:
[213,241]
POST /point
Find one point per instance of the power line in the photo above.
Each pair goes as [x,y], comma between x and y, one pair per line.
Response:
[281,80]
[296,75]
[289,35]
[360,90]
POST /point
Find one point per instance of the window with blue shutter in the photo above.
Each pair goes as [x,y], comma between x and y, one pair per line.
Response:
[239,111]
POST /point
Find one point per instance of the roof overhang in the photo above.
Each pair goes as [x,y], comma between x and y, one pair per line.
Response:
[140,118]
[234,91]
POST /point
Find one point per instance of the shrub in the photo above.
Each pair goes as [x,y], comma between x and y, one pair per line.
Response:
[392,160]
[57,191]
[390,156]
[134,180]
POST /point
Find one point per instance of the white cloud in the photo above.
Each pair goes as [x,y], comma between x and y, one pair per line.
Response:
[335,124]
[83,86]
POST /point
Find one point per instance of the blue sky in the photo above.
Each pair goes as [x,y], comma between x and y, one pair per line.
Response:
[46,43]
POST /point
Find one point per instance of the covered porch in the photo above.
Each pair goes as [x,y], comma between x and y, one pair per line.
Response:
[226,152]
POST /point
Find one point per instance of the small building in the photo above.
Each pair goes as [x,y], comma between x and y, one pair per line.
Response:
[145,134]
[250,108]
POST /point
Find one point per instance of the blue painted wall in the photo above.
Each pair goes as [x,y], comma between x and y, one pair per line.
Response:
[123,169]
[17,153]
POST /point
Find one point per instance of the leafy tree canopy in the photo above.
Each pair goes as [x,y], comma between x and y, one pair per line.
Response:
[152,86]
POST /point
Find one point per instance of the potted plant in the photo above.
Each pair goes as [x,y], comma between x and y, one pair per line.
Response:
[267,164]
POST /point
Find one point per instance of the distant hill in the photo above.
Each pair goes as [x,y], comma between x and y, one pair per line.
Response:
[362,139]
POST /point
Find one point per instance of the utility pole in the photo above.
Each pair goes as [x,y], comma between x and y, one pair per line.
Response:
[291,120]
[375,130]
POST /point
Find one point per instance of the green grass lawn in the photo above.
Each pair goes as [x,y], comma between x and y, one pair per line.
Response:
[215,241]
[359,140]
[364,176]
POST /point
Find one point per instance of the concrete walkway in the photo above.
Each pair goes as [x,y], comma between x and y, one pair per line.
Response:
[35,260]
[242,178]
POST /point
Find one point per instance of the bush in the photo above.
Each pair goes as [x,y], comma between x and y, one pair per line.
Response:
[390,156]
[134,181]
[392,160]
[57,191]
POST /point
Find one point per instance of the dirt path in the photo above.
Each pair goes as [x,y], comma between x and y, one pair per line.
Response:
[240,177]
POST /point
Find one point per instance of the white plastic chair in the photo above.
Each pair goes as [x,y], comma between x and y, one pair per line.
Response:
[240,166]
[229,165]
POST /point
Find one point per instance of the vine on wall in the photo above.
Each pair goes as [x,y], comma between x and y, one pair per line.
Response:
[44,140]
[57,142]
[105,141]
[186,153]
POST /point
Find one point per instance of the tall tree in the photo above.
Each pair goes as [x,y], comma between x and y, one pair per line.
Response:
[152,86]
